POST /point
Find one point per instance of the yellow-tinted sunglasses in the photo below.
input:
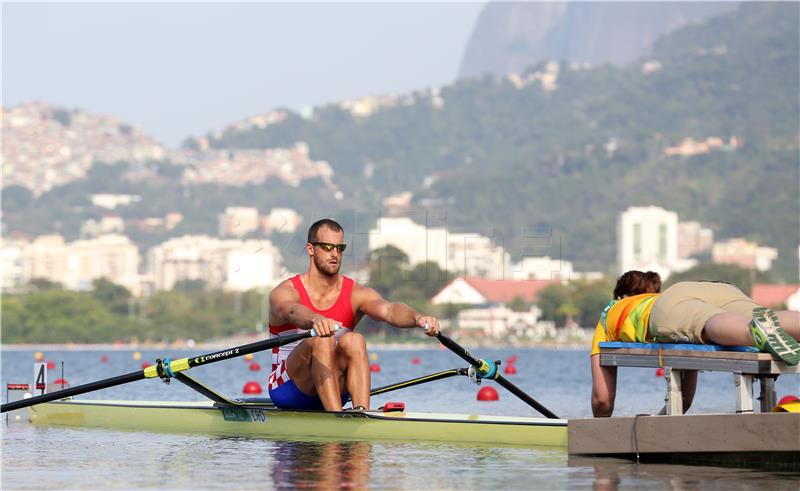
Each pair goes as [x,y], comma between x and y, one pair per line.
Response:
[328,247]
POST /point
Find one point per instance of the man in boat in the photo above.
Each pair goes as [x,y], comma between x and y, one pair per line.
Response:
[322,372]
[687,312]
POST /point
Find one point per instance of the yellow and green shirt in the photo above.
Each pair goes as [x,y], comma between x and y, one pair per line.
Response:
[625,320]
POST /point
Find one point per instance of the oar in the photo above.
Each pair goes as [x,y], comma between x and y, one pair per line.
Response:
[419,380]
[489,371]
[168,369]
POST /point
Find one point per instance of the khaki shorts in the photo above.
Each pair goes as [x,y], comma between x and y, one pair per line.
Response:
[681,312]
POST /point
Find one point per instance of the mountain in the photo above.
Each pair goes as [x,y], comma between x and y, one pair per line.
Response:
[704,124]
[510,36]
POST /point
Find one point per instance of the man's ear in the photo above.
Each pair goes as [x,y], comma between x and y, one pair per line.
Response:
[309,249]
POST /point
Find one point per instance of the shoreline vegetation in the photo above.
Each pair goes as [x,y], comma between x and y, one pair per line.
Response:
[221,344]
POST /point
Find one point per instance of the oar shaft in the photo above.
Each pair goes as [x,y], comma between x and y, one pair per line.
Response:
[73,391]
[484,368]
[175,366]
[419,380]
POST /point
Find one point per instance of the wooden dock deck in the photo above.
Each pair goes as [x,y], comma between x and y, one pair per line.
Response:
[745,438]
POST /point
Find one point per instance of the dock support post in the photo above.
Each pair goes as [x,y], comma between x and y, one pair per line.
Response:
[674,394]
[767,393]
[744,392]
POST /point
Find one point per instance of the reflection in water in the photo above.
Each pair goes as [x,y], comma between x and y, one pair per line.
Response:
[610,474]
[322,465]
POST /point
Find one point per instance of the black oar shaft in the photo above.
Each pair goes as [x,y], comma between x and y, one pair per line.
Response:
[480,364]
[419,380]
[73,391]
[150,372]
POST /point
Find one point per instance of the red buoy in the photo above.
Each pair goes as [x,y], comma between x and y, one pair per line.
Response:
[510,370]
[488,394]
[51,365]
[416,360]
[374,368]
[252,387]
[145,365]
[254,367]
[788,399]
[104,359]
[659,372]
[61,381]
[512,359]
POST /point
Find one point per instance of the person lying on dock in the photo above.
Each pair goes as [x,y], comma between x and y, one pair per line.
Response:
[687,312]
[322,372]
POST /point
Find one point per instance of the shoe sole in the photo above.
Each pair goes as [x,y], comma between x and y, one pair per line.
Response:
[769,336]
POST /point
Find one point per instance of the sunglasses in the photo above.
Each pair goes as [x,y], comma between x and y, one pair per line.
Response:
[328,247]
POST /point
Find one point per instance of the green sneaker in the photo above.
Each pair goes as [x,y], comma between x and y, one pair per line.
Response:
[770,338]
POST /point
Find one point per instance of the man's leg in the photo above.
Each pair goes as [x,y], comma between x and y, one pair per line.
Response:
[313,368]
[351,356]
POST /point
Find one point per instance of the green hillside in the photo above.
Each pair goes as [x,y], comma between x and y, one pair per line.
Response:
[516,160]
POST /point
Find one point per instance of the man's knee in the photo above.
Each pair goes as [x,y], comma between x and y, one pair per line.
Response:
[353,344]
[321,345]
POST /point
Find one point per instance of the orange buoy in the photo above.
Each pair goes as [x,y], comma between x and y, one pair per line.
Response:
[254,367]
[416,360]
[252,387]
[373,356]
[659,372]
[248,357]
[51,365]
[488,394]
[374,368]
[788,399]
[104,359]
[38,356]
[145,365]
[510,370]
[61,381]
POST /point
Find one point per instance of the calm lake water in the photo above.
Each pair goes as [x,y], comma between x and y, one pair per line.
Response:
[59,458]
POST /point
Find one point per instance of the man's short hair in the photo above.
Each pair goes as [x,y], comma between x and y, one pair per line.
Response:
[325,222]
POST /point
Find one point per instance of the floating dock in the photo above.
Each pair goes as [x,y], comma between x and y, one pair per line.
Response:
[747,438]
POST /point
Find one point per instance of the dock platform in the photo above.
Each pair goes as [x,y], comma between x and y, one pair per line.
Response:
[745,439]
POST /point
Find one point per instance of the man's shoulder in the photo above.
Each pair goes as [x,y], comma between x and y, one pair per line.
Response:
[285,286]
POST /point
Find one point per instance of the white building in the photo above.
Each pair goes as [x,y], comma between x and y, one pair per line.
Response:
[499,322]
[106,225]
[283,220]
[238,221]
[543,268]
[76,264]
[647,240]
[229,264]
[469,253]
[113,257]
[12,268]
[743,253]
[693,239]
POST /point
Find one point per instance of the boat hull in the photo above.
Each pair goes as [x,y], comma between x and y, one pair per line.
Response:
[270,422]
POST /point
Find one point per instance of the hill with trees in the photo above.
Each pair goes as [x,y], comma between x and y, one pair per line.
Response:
[557,151]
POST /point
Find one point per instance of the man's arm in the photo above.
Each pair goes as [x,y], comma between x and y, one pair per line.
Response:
[285,308]
[377,308]
[604,388]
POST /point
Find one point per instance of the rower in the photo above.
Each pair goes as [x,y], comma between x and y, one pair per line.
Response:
[324,371]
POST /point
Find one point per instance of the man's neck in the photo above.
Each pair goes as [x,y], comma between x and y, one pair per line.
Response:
[321,283]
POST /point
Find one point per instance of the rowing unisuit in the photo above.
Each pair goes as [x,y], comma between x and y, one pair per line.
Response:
[341,310]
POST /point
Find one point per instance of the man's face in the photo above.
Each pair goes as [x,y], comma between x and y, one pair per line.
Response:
[327,262]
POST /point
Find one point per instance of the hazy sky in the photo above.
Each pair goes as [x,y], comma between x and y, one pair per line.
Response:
[183,69]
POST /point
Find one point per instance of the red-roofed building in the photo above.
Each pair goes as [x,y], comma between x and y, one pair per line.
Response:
[481,291]
[777,295]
